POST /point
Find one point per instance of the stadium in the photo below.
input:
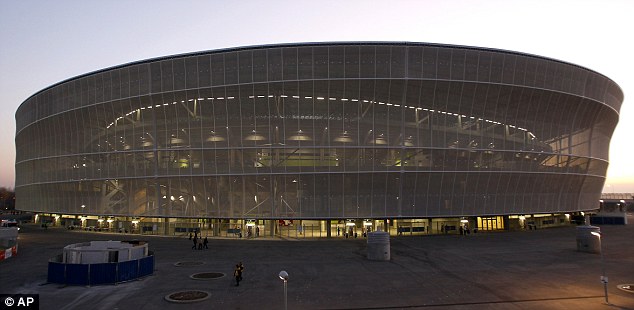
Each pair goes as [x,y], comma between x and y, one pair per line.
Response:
[319,139]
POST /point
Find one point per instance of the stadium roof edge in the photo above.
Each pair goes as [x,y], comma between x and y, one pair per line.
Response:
[306,44]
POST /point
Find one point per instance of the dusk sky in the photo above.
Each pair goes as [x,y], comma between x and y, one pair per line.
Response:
[45,42]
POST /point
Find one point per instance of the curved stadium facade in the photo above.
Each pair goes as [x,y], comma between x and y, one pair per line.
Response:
[358,136]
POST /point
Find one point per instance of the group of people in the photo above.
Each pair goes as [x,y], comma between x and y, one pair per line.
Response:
[199,243]
[350,232]
[250,232]
[464,230]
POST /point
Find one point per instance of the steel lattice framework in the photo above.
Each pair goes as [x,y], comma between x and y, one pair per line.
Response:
[319,131]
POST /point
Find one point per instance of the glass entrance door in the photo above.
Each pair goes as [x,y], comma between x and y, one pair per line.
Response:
[490,223]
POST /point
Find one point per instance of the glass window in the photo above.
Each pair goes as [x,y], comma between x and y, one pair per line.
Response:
[204,71]
[351,61]
[368,64]
[430,59]
[155,77]
[217,69]
[178,67]
[289,55]
[115,78]
[106,86]
[457,64]
[443,64]
[191,72]
[167,75]
[497,62]
[508,68]
[231,68]
[99,92]
[336,64]
[484,66]
[415,62]
[320,62]
[382,61]
[245,59]
[274,64]
[260,65]
[397,61]
[305,63]
[144,79]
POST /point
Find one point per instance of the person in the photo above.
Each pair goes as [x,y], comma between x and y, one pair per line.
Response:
[257,231]
[205,242]
[195,243]
[200,243]
[241,268]
[237,273]
[190,236]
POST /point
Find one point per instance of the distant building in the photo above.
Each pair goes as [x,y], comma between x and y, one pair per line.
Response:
[613,208]
[413,138]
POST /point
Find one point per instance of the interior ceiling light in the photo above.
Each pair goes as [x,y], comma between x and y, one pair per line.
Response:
[255,136]
[344,138]
[300,136]
[213,137]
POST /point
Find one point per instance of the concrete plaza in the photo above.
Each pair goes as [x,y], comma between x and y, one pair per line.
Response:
[537,269]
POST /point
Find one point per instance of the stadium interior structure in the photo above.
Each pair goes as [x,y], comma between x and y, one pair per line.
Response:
[319,139]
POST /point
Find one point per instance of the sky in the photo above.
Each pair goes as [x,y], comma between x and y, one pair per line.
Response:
[45,42]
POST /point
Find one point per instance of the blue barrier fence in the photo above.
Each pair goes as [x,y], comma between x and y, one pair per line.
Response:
[99,274]
[607,220]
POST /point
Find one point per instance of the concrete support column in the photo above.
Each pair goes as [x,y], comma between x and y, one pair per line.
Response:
[216,227]
[166,226]
[272,227]
[328,228]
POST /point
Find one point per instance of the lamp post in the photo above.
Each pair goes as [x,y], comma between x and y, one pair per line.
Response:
[604,279]
[284,277]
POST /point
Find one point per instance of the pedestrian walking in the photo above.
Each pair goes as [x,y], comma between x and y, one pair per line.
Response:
[237,273]
[195,243]
[200,243]
[241,267]
[205,242]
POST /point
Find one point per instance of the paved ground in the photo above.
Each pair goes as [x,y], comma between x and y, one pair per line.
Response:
[510,270]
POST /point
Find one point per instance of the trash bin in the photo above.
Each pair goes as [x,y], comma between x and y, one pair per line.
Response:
[586,241]
[379,245]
